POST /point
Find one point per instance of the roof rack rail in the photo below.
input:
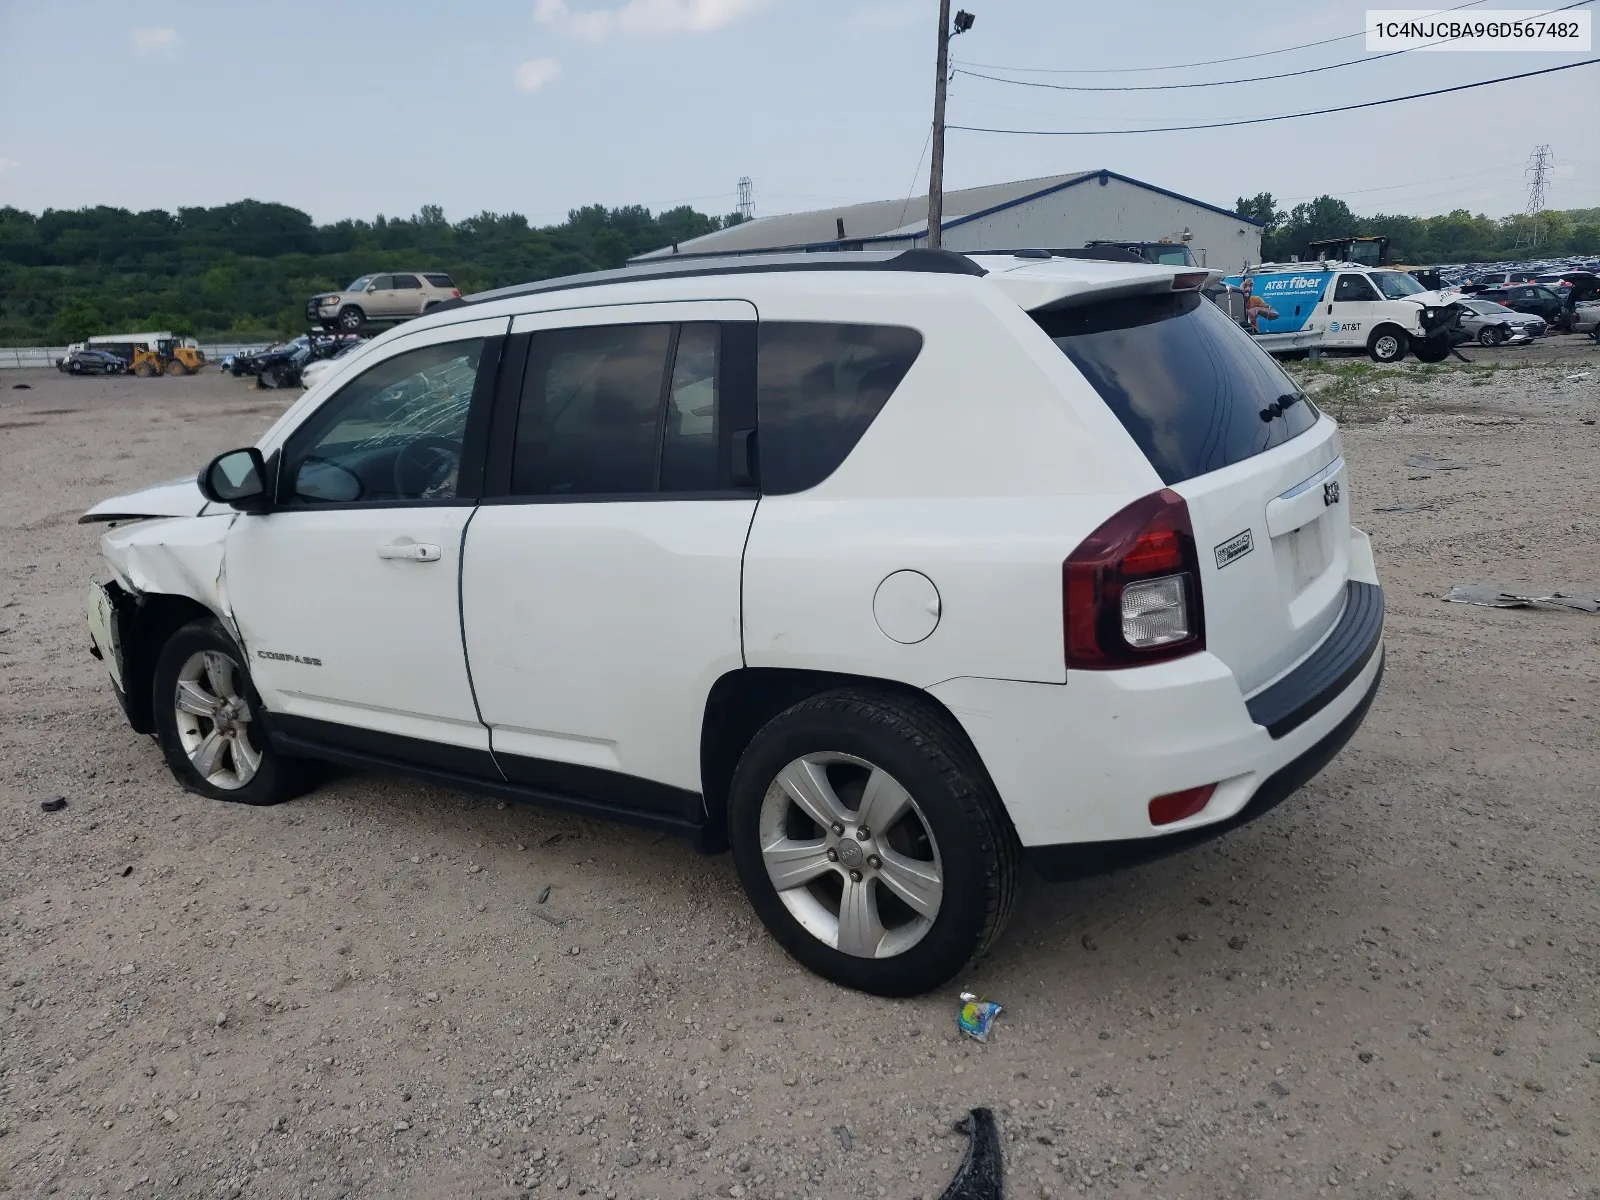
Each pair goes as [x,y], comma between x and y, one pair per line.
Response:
[1094,253]
[1315,264]
[921,259]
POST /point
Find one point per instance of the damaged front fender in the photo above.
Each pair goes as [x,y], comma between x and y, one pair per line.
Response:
[169,572]
[173,557]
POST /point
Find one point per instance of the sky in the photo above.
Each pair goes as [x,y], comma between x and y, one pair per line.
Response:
[537,106]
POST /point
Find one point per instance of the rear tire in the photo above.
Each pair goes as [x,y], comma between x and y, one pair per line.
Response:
[948,844]
[1491,335]
[208,721]
[1388,344]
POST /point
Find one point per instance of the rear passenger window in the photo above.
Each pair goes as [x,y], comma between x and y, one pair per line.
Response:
[406,281]
[818,387]
[589,414]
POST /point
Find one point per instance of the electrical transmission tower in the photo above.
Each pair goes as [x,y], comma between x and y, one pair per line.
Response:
[1538,171]
[747,199]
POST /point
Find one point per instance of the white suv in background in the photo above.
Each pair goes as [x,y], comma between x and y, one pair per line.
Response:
[887,572]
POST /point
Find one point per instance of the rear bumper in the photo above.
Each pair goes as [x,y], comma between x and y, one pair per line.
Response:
[1077,765]
[1081,859]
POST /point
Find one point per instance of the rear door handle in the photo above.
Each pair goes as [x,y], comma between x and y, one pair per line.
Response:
[410,551]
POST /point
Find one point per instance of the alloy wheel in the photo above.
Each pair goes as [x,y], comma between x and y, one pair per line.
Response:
[850,855]
[214,721]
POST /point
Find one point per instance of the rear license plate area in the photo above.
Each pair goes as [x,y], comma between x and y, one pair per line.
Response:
[1302,555]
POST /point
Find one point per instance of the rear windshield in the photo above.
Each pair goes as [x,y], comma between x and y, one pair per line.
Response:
[1188,385]
[439,281]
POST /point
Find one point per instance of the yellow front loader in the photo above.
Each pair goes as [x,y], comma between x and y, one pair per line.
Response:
[172,359]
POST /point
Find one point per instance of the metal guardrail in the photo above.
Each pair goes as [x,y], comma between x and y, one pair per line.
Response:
[35,357]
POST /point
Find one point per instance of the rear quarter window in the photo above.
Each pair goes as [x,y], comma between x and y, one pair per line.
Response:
[818,388]
[440,281]
[1188,385]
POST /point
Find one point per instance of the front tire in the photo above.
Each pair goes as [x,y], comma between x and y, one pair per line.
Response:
[208,721]
[1388,344]
[871,841]
[1491,335]
[350,319]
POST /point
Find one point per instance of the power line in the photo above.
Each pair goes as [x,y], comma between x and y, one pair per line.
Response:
[1394,187]
[915,171]
[1169,87]
[1212,62]
[1315,112]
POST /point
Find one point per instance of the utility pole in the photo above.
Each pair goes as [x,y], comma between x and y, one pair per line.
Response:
[963,22]
[747,201]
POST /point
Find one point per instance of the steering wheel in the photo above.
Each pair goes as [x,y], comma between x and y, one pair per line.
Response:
[424,465]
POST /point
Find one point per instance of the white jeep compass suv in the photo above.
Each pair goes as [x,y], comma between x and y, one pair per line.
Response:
[886,572]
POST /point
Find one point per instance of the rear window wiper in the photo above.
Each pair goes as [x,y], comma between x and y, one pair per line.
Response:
[1282,405]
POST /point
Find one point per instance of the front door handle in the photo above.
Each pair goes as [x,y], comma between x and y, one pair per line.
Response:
[410,551]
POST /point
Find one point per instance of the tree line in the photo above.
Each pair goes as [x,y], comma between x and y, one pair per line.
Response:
[246,269]
[1455,237]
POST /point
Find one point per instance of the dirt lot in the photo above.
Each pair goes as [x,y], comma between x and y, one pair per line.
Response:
[1388,987]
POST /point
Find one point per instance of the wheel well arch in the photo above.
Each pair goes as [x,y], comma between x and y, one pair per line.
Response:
[743,701]
[147,623]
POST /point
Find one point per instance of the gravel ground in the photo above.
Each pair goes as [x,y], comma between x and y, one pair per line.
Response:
[1386,987]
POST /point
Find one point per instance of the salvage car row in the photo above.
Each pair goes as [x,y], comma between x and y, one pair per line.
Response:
[1389,313]
[287,364]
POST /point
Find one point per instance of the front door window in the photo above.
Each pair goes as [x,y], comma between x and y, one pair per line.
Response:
[1353,289]
[394,433]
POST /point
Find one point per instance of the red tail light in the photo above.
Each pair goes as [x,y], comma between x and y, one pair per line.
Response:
[455,293]
[1175,806]
[1131,590]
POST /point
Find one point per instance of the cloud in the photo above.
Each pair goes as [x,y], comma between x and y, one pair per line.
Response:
[535,73]
[8,164]
[154,37]
[893,14]
[645,17]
